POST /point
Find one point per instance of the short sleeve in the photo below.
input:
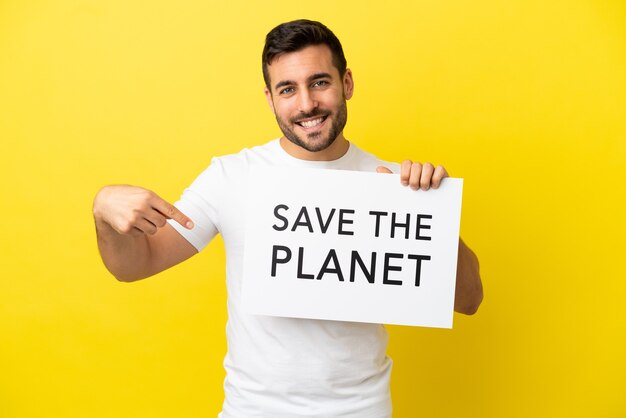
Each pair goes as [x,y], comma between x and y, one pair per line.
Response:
[200,203]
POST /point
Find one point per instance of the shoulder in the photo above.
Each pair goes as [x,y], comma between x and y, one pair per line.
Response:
[228,173]
[229,165]
[258,154]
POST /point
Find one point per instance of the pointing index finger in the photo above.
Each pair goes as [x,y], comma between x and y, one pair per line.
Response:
[171,212]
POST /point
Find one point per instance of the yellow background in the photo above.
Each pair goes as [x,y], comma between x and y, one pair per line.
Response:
[526,100]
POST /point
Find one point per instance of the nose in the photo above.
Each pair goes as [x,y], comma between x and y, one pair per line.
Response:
[306,101]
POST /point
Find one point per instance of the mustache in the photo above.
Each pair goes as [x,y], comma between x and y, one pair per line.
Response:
[312,114]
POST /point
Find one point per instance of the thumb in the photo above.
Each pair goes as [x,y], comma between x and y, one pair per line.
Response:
[385,170]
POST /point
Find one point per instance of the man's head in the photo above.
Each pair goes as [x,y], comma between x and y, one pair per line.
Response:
[307,83]
[296,35]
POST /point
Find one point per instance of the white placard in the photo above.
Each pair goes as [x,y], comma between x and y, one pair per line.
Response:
[350,246]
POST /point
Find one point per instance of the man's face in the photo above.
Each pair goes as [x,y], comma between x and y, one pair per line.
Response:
[308,97]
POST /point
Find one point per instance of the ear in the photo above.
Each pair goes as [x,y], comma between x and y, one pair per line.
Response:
[348,84]
[268,96]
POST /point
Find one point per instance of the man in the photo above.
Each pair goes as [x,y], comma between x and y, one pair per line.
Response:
[276,367]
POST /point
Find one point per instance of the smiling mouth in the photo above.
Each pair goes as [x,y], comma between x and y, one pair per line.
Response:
[307,124]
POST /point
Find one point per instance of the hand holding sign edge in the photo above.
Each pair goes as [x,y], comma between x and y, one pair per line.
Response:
[469,289]
[417,175]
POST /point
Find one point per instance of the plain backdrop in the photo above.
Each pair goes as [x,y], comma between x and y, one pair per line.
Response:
[526,100]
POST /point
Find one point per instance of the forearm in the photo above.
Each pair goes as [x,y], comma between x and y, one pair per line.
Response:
[125,256]
[469,288]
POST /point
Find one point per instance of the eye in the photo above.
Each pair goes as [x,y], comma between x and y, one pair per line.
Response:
[320,83]
[286,90]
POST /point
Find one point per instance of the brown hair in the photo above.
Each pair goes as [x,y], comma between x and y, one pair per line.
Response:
[296,35]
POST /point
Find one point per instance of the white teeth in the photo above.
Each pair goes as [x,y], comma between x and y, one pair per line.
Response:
[311,123]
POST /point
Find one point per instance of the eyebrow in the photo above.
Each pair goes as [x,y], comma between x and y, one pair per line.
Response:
[312,77]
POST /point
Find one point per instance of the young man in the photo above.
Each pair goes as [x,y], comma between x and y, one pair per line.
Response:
[276,367]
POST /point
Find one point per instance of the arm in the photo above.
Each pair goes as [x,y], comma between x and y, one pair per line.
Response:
[469,288]
[134,239]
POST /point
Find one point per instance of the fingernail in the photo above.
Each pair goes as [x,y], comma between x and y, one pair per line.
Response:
[189,224]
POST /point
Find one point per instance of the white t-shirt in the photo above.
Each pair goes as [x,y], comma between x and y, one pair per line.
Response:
[285,367]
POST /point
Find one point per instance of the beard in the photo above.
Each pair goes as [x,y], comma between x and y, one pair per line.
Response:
[314,142]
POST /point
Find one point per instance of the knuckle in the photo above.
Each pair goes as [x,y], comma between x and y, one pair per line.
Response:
[136,216]
[140,208]
[144,197]
[126,228]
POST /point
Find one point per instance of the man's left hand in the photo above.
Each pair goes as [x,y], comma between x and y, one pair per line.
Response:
[417,175]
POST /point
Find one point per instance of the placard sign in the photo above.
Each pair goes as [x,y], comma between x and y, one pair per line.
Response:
[350,246]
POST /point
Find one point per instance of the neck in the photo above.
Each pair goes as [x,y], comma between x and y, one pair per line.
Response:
[335,151]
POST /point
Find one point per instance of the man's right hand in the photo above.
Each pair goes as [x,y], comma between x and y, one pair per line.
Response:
[132,210]
[134,238]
